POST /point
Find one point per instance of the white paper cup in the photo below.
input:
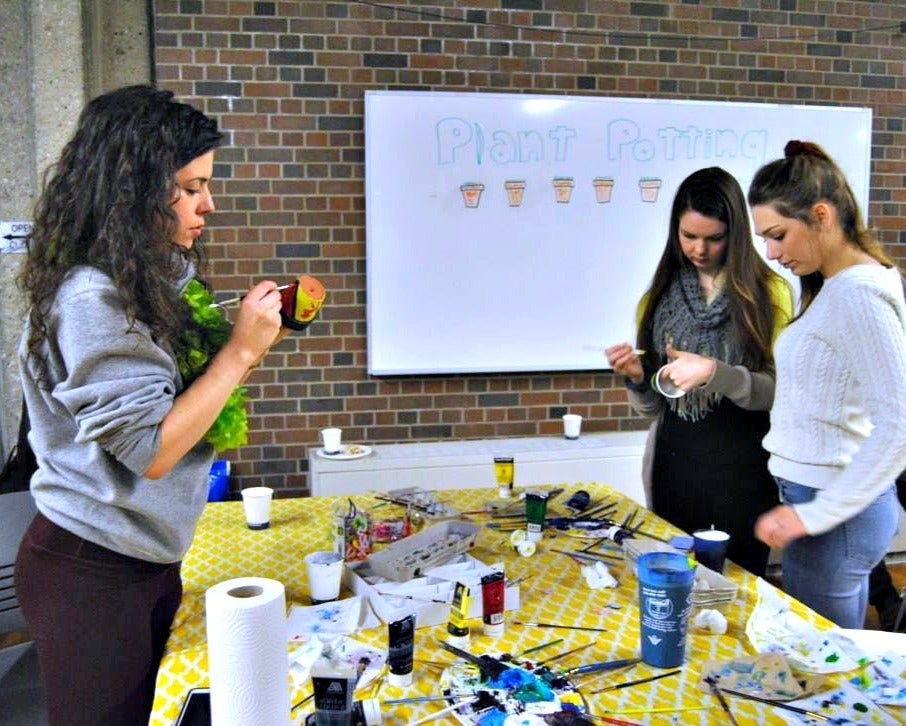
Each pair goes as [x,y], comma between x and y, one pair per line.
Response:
[661,383]
[257,504]
[325,572]
[572,425]
[332,440]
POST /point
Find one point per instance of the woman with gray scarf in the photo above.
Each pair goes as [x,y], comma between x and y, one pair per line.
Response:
[709,320]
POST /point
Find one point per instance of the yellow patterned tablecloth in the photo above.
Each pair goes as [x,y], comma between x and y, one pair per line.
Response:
[553,591]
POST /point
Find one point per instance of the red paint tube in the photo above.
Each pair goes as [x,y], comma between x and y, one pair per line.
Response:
[493,596]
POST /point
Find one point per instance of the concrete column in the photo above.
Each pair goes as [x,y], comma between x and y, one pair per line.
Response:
[54,55]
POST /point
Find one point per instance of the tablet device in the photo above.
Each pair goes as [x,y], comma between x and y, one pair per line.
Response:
[196,711]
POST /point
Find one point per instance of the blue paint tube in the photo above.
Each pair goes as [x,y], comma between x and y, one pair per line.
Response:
[401,650]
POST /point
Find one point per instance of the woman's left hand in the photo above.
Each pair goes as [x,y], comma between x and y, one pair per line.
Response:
[779,526]
[689,370]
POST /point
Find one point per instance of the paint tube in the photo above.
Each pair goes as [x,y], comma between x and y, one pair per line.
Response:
[459,610]
[504,471]
[401,642]
[493,595]
[333,685]
[535,512]
[366,712]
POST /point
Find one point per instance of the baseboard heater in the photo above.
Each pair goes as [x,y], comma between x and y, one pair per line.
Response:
[606,458]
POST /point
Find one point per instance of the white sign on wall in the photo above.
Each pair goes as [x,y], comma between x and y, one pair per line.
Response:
[13,235]
[517,232]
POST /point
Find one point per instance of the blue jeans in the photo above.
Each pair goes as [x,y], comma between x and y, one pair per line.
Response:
[829,572]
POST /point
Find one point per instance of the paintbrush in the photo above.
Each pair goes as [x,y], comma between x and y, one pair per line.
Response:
[582,555]
[490,668]
[442,712]
[601,349]
[539,647]
[627,684]
[565,653]
[427,699]
[234,300]
[616,721]
[778,704]
[608,665]
[303,701]
[411,597]
[712,684]
[558,625]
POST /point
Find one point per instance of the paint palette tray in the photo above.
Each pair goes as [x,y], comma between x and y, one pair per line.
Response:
[410,557]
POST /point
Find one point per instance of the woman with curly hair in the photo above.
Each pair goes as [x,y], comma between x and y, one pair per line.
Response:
[710,316]
[838,425]
[125,376]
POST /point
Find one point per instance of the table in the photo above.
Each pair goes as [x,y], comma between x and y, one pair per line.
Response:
[553,591]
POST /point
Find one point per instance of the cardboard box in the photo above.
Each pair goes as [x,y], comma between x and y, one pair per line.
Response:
[391,600]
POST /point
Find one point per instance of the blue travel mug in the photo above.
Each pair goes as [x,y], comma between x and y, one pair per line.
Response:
[665,591]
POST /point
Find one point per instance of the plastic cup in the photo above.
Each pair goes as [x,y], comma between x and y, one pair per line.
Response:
[661,383]
[710,548]
[572,425]
[325,572]
[257,504]
[332,440]
[665,591]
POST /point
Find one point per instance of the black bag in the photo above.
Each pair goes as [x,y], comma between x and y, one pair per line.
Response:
[21,464]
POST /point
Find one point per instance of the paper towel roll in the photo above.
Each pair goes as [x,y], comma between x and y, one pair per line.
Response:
[247,653]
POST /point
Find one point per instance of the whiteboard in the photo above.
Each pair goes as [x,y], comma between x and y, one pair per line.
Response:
[516,233]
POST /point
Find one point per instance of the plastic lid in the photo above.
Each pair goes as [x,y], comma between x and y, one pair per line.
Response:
[371,708]
[494,630]
[459,641]
[401,680]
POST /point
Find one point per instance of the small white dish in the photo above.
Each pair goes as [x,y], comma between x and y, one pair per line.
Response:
[346,452]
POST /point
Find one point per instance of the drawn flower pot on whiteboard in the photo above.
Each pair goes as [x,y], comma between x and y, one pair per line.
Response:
[649,187]
[603,188]
[514,189]
[563,188]
[471,193]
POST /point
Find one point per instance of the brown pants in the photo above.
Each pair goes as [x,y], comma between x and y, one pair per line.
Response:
[100,621]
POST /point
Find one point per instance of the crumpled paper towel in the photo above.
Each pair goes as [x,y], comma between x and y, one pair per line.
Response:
[597,576]
[711,620]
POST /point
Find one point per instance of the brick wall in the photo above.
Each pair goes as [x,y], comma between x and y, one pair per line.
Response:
[287,80]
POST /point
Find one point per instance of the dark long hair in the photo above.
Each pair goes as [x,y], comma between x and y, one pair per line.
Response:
[714,193]
[794,184]
[106,203]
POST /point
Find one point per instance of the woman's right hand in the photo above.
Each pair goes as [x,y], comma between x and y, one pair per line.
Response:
[257,324]
[625,361]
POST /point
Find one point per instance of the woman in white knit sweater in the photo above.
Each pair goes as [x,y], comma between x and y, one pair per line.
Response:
[838,423]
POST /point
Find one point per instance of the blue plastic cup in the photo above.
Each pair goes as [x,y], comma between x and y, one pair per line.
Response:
[219,480]
[665,591]
[710,548]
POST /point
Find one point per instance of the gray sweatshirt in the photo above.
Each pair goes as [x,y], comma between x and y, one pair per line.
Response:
[96,427]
